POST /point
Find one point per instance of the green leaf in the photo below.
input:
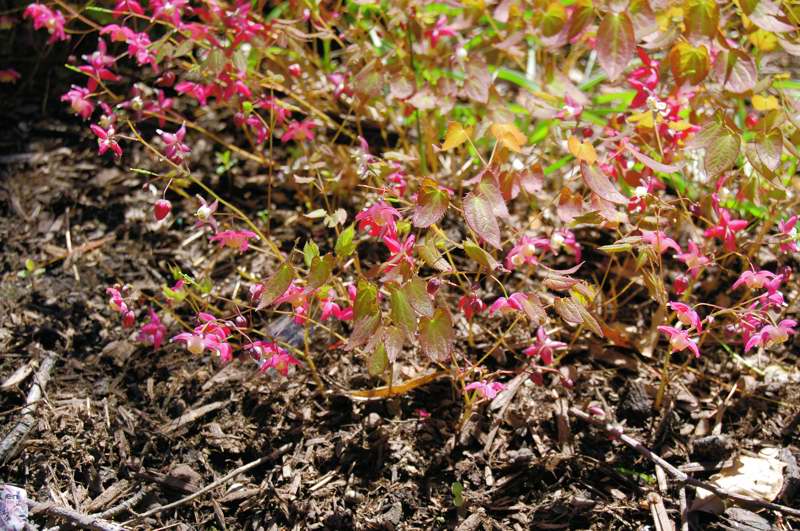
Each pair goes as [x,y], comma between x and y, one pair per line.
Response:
[277,284]
[722,153]
[416,291]
[393,339]
[310,250]
[436,335]
[553,19]
[402,314]
[477,253]
[689,63]
[366,302]
[615,43]
[320,272]
[701,18]
[480,217]
[457,489]
[345,246]
[431,255]
[378,361]
[769,147]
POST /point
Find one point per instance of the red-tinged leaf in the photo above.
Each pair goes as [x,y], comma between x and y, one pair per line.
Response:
[567,309]
[689,63]
[769,147]
[701,18]
[616,43]
[721,154]
[581,18]
[477,81]
[475,252]
[402,314]
[643,18]
[600,184]
[534,310]
[651,163]
[736,71]
[608,210]
[553,19]
[277,284]
[560,283]
[416,292]
[488,190]
[432,204]
[765,14]
[394,338]
[707,135]
[570,205]
[790,47]
[320,272]
[363,330]
[480,217]
[588,320]
[436,335]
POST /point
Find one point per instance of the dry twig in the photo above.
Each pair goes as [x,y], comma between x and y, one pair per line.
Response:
[677,474]
[13,440]
[85,521]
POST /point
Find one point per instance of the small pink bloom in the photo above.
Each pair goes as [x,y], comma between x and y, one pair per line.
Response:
[98,66]
[571,110]
[694,259]
[169,10]
[524,252]
[505,305]
[753,279]
[280,362]
[680,284]
[486,389]
[9,75]
[439,30]
[379,220]
[422,413]
[153,332]
[295,70]
[544,347]
[78,98]
[199,92]
[124,7]
[772,335]
[399,252]
[237,239]
[659,241]
[687,315]
[205,214]
[50,19]
[726,228]
[174,148]
[788,229]
[105,140]
[679,340]
[162,209]
[299,131]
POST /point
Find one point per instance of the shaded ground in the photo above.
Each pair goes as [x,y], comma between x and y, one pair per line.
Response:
[119,419]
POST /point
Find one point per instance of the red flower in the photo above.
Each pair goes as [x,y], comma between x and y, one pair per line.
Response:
[52,20]
[299,131]
[105,140]
[78,98]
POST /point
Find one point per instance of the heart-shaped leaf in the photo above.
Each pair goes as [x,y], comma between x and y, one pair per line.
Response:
[436,335]
[432,204]
[480,217]
[277,284]
[599,183]
[616,43]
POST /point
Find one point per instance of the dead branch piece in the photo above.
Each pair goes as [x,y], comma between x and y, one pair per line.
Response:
[244,468]
[126,505]
[679,476]
[12,442]
[74,517]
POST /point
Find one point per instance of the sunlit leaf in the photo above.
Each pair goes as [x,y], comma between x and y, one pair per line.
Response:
[689,63]
[456,135]
[431,205]
[480,217]
[402,314]
[583,151]
[416,293]
[475,252]
[378,361]
[701,18]
[509,136]
[277,284]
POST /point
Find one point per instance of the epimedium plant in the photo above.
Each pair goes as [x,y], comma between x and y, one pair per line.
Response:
[485,182]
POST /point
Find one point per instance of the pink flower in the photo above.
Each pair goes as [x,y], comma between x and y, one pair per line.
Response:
[205,214]
[505,305]
[659,241]
[97,69]
[378,220]
[565,238]
[209,334]
[687,315]
[772,297]
[753,279]
[117,303]
[439,30]
[571,110]
[124,7]
[726,228]
[52,20]
[174,148]
[278,111]
[139,47]
[544,347]
[644,79]
[524,252]
[118,33]
[772,335]
[105,140]
[199,92]
[237,239]
[9,75]
[788,229]
[169,10]
[78,98]
[339,81]
[679,340]
[471,305]
[280,361]
[694,259]
[399,253]
[153,332]
[298,297]
[486,389]
[299,131]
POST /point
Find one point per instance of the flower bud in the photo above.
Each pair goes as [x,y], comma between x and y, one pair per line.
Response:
[128,319]
[680,284]
[295,70]
[162,209]
[433,286]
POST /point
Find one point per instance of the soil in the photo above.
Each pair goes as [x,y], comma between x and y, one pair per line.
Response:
[119,420]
